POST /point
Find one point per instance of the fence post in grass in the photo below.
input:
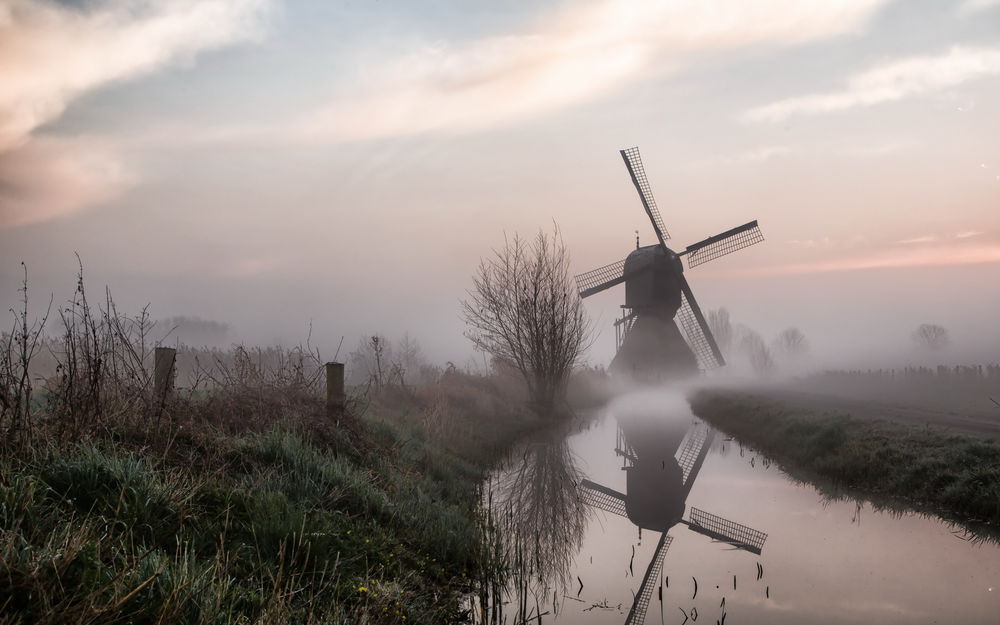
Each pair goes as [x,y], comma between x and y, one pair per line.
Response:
[163,376]
[335,396]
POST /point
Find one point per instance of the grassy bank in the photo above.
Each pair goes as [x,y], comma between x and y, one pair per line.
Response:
[223,516]
[236,497]
[891,464]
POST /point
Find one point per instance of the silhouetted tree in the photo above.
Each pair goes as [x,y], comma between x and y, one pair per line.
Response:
[370,362]
[753,346]
[524,309]
[791,342]
[721,327]
[930,336]
[192,331]
[379,362]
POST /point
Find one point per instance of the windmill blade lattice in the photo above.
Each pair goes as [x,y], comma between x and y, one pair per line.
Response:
[635,169]
[724,243]
[602,497]
[637,614]
[699,337]
[736,534]
[624,449]
[690,448]
[596,280]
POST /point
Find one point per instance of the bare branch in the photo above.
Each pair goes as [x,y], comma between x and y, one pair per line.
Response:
[524,310]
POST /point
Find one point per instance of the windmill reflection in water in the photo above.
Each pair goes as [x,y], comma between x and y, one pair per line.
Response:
[661,460]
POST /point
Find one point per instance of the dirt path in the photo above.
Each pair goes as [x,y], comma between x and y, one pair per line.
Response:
[967,422]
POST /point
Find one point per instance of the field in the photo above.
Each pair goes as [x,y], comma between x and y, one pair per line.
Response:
[960,398]
[889,463]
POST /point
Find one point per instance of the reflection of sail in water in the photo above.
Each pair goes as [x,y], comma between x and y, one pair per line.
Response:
[540,509]
[662,460]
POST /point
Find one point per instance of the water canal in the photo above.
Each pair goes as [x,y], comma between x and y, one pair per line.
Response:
[645,514]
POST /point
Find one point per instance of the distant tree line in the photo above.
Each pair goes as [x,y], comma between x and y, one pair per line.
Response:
[378,362]
[941,372]
[738,340]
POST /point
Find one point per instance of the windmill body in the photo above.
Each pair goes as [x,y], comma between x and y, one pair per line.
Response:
[653,348]
[651,281]
[658,300]
[654,480]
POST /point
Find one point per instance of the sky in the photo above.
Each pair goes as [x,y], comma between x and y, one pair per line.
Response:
[276,164]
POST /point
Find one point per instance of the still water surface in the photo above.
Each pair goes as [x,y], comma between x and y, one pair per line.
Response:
[588,509]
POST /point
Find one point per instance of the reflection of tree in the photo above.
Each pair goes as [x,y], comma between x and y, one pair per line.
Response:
[540,511]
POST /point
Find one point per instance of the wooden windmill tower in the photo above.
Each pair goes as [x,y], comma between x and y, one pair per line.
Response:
[656,292]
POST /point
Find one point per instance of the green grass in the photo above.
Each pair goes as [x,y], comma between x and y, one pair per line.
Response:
[892,464]
[375,524]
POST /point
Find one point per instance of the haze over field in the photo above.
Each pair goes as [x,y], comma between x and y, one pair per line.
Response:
[265,163]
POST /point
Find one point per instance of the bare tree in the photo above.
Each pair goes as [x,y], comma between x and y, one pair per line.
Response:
[721,327]
[17,349]
[791,342]
[755,349]
[524,310]
[379,362]
[370,362]
[194,331]
[409,361]
[930,336]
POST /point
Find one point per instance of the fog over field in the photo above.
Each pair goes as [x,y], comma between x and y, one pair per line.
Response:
[270,165]
[482,311]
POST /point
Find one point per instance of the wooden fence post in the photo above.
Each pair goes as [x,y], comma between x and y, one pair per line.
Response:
[335,396]
[163,375]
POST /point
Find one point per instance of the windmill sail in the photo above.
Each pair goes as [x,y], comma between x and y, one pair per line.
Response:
[596,280]
[699,336]
[724,530]
[602,497]
[637,615]
[689,454]
[635,169]
[624,449]
[725,243]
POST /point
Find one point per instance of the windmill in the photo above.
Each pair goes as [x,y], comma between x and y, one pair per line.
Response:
[657,486]
[649,343]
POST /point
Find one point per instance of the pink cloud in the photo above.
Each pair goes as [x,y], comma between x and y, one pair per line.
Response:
[49,178]
[50,54]
[898,258]
[575,54]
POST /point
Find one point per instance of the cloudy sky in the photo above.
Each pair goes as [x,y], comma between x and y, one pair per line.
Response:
[272,163]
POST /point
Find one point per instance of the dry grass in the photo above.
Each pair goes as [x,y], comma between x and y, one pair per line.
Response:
[239,500]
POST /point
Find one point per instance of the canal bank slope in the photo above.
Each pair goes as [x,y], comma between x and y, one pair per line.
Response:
[892,464]
[229,516]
